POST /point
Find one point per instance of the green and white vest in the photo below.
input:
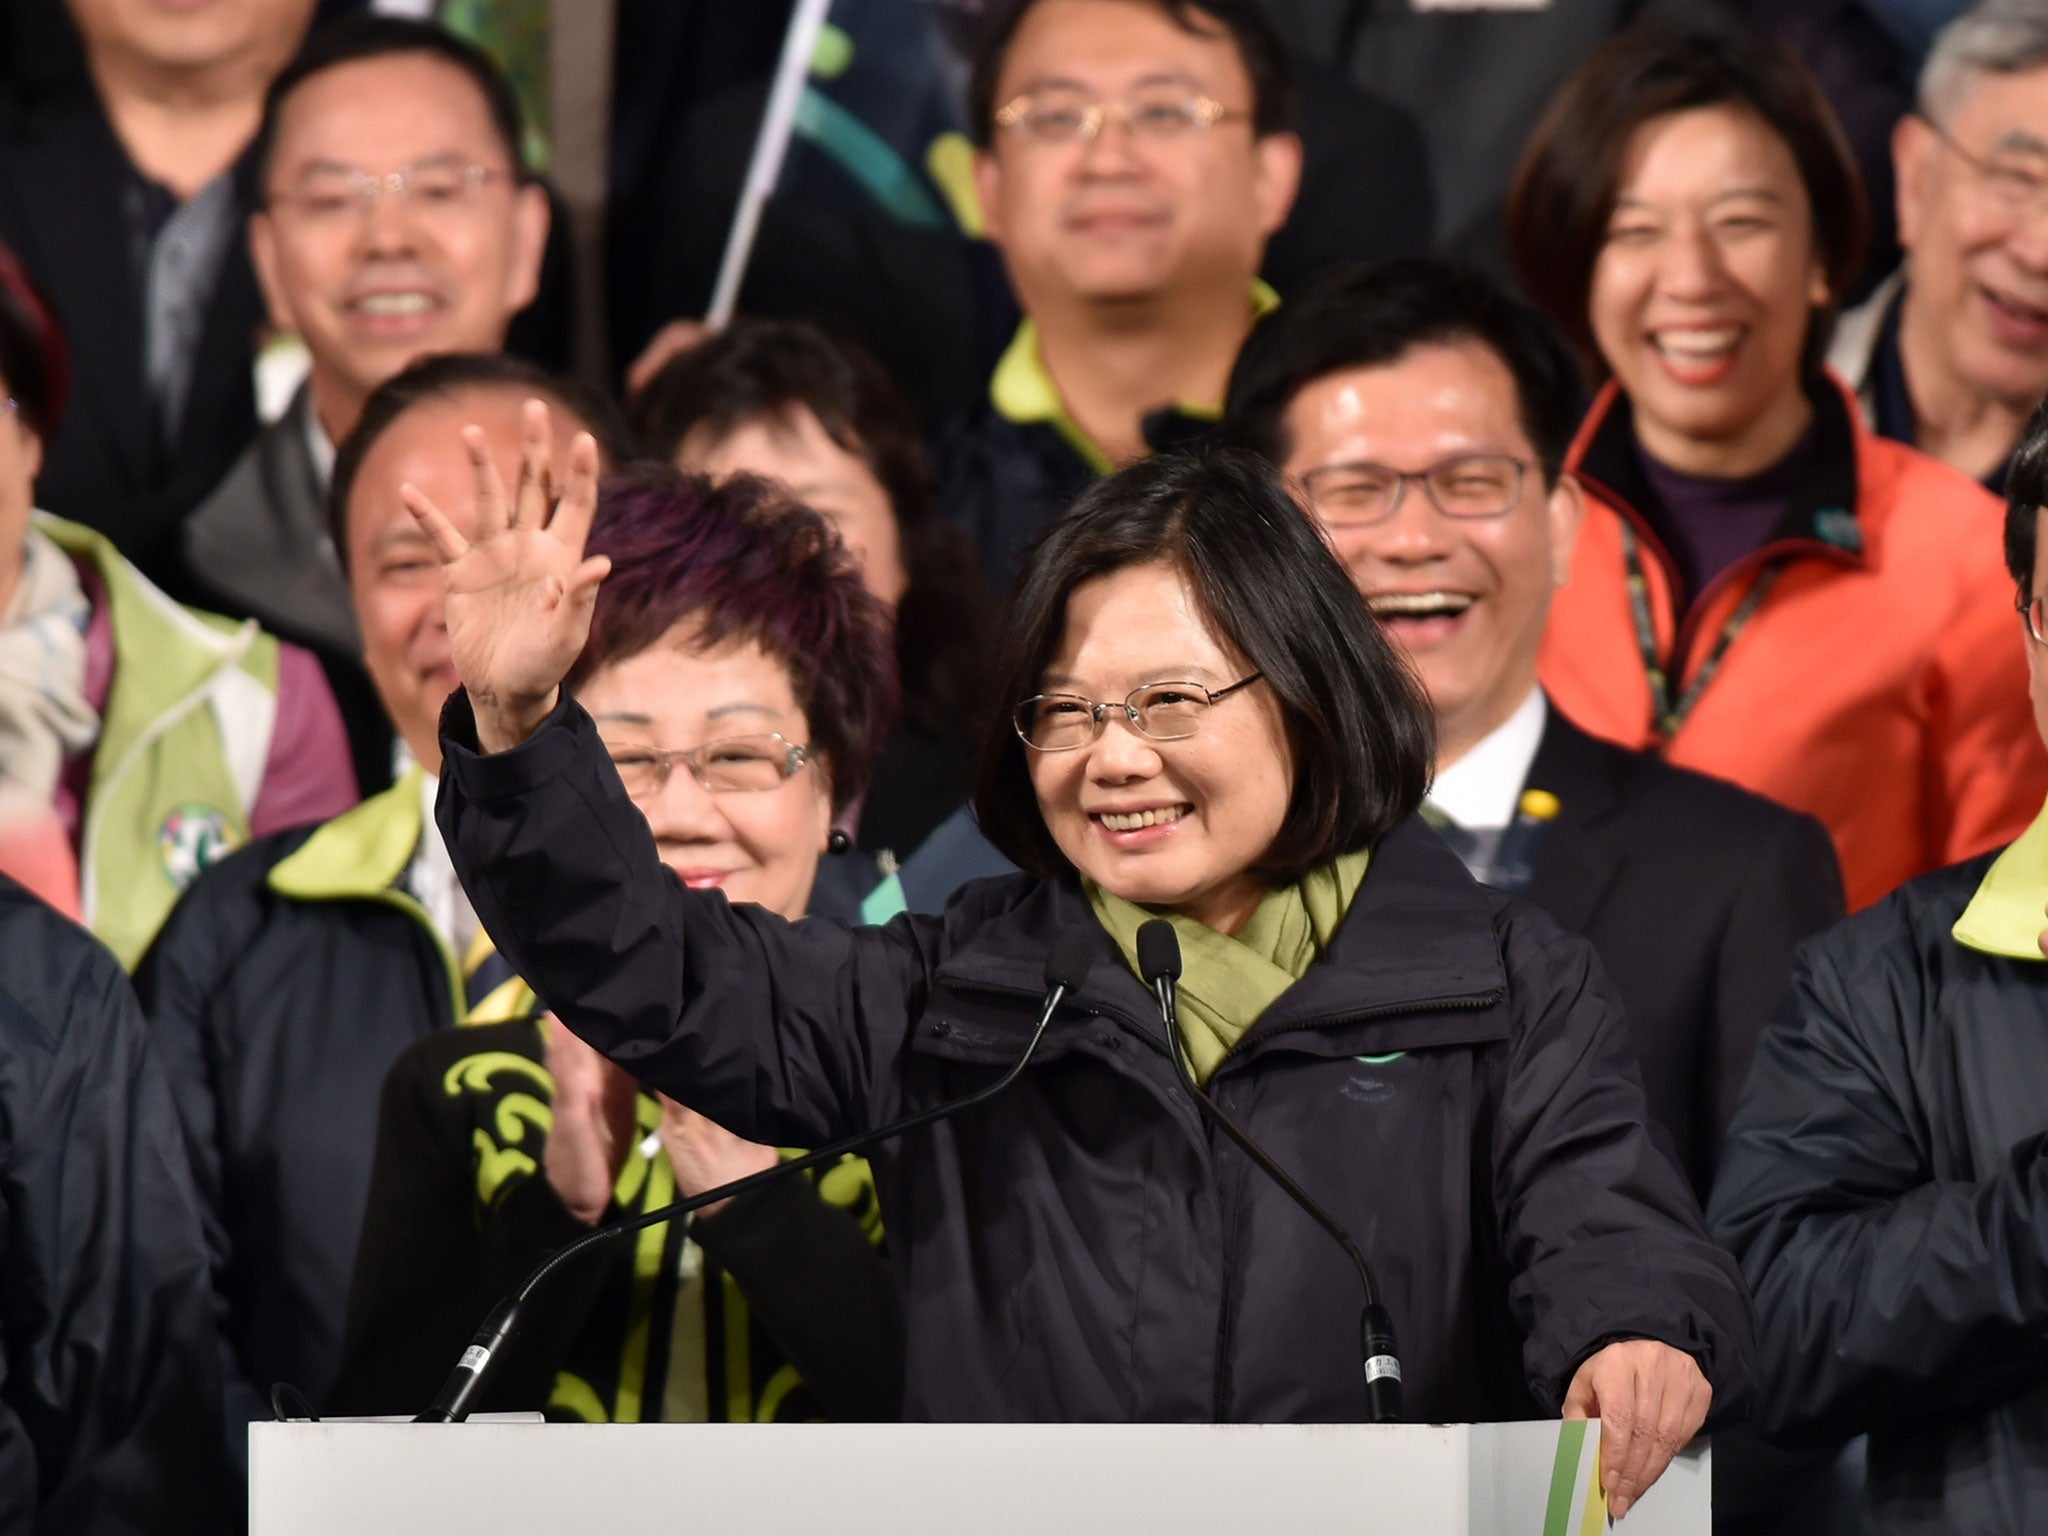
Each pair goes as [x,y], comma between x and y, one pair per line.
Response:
[184,739]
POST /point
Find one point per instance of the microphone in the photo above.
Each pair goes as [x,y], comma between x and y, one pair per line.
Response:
[1066,967]
[1159,964]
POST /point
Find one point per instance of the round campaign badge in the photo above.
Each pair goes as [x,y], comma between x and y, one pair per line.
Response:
[192,837]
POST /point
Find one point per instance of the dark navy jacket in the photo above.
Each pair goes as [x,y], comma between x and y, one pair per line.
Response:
[110,1371]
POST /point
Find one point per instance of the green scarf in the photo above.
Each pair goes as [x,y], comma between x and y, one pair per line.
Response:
[1227,980]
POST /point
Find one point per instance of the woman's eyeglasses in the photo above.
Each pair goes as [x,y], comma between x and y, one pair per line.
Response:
[1170,711]
[730,765]
[2035,611]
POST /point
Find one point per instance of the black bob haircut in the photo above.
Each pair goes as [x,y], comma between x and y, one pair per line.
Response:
[355,38]
[1243,22]
[1371,316]
[432,379]
[763,371]
[1358,724]
[2026,492]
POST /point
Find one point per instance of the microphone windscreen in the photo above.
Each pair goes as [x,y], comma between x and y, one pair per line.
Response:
[1158,951]
[1073,952]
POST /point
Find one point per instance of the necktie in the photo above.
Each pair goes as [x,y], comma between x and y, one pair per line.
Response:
[1475,849]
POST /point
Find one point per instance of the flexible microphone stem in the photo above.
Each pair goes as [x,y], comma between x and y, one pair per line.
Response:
[1065,970]
[1159,956]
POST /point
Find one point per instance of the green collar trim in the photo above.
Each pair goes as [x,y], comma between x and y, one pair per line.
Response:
[362,852]
[1022,390]
[883,902]
[2010,910]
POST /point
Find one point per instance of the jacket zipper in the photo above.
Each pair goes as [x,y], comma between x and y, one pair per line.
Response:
[1466,1002]
[1686,629]
[1227,1314]
[1755,560]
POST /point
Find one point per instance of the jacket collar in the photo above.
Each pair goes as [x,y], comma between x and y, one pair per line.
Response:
[1821,513]
[1023,391]
[2010,910]
[1583,773]
[1420,931]
[1854,343]
[1569,879]
[164,652]
[362,852]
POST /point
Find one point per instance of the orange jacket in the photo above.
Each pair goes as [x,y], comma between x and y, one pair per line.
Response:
[1881,684]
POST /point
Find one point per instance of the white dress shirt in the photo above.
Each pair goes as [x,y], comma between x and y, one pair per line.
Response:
[1480,790]
[431,879]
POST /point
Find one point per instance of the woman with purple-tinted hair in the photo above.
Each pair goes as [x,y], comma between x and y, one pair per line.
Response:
[741,678]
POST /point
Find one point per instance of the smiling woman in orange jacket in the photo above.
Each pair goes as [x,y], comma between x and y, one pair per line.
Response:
[1762,590]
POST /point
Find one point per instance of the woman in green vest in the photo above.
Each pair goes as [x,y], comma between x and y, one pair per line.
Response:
[162,737]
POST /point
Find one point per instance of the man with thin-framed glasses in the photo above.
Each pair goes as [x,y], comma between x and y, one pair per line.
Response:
[396,220]
[1950,353]
[1423,416]
[1133,157]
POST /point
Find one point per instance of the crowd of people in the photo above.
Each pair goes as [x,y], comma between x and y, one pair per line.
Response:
[1576,691]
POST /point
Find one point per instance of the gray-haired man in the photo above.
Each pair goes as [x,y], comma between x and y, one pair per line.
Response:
[1951,353]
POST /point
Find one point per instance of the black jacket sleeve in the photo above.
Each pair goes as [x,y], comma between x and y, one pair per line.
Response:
[787,1034]
[110,1396]
[815,1280]
[1600,1227]
[1791,891]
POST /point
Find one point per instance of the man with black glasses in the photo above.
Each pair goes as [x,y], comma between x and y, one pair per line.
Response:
[1423,415]
[1135,156]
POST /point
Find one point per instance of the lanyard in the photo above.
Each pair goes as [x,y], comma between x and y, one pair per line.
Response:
[1667,715]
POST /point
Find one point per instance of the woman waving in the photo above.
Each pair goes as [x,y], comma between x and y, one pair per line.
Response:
[1192,716]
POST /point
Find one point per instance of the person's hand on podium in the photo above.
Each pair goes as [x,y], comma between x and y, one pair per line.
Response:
[1650,1400]
[519,589]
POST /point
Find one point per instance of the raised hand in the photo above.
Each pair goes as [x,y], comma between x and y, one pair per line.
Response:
[1650,1400]
[520,592]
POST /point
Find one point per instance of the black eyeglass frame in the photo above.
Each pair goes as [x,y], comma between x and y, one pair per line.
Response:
[2033,612]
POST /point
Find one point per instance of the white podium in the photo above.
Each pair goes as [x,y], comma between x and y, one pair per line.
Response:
[355,1479]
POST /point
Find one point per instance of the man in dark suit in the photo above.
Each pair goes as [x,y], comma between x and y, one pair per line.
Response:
[122,189]
[1425,415]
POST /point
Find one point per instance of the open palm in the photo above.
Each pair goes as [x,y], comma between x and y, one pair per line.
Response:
[519,594]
